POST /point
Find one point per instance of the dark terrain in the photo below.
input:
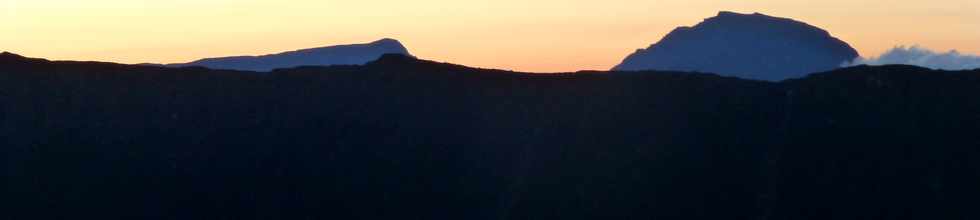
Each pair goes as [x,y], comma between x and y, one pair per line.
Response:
[401,138]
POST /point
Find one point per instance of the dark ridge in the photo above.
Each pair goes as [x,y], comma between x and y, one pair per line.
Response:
[408,138]
[11,56]
[394,59]
[409,62]
[12,59]
[7,54]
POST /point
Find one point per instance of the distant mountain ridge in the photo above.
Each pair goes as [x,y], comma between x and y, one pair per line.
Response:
[751,46]
[353,54]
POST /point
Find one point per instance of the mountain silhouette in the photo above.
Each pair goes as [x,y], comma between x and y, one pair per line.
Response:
[9,55]
[403,138]
[355,54]
[751,46]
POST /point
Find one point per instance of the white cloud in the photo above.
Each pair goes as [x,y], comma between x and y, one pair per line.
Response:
[923,57]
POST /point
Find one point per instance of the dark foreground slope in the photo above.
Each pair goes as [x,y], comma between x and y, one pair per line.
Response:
[402,138]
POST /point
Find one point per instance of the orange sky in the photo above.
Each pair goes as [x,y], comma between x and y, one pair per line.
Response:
[539,36]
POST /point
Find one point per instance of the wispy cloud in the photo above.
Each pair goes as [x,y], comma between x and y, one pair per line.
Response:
[919,56]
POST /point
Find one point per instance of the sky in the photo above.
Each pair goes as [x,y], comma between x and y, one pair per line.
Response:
[522,35]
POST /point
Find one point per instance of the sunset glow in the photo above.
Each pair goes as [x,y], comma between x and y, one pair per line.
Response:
[539,36]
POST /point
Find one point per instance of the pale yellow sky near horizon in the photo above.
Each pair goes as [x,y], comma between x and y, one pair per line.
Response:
[537,36]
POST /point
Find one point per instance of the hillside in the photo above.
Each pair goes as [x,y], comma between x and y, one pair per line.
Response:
[407,138]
